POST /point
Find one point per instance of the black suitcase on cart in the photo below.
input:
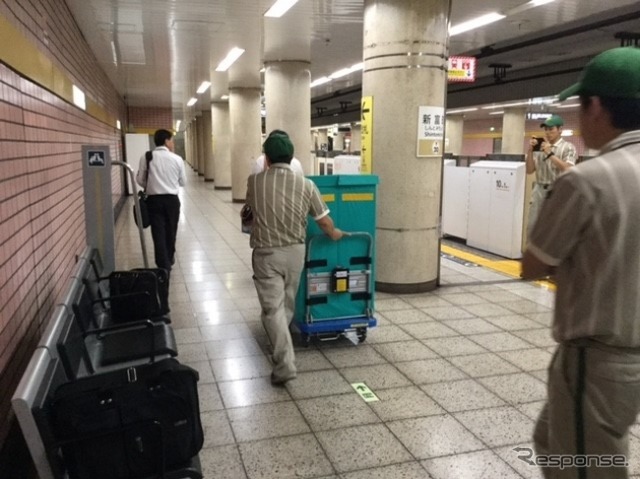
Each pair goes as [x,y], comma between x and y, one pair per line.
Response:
[131,423]
[140,293]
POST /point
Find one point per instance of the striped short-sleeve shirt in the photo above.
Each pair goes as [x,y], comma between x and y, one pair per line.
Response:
[281,200]
[546,172]
[589,227]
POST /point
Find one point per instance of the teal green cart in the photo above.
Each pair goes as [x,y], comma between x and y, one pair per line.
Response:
[336,293]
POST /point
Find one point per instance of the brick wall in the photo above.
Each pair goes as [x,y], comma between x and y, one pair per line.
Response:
[146,120]
[41,194]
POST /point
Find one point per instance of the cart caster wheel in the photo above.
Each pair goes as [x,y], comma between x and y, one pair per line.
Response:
[362,335]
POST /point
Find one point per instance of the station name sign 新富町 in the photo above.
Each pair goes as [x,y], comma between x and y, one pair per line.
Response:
[461,69]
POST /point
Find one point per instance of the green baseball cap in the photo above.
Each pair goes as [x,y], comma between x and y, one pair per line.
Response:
[553,120]
[278,147]
[614,73]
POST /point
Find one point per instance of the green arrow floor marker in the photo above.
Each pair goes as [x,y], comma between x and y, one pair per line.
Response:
[365,393]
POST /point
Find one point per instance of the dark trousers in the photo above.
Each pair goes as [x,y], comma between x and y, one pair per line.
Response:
[164,213]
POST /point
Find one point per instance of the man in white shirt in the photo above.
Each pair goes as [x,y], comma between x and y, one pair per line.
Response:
[161,177]
[261,165]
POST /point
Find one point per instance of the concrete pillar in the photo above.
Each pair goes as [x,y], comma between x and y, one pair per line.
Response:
[207,153]
[356,138]
[187,145]
[338,141]
[405,52]
[194,144]
[288,104]
[244,112]
[454,131]
[513,129]
[220,128]
[201,144]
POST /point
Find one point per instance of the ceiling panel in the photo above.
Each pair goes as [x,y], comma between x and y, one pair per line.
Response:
[157,52]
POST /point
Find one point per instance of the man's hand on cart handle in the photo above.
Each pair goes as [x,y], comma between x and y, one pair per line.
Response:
[337,234]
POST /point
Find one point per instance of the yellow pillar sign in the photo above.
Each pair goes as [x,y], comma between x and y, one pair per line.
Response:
[366,137]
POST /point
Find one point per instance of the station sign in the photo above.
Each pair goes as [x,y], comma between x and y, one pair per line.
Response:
[461,69]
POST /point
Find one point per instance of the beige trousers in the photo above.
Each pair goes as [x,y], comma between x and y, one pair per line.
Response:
[276,275]
[538,195]
[593,400]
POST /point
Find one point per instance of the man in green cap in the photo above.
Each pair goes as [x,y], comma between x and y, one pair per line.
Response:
[588,236]
[281,200]
[554,156]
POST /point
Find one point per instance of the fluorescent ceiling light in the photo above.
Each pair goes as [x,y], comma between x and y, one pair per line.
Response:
[572,105]
[506,105]
[113,53]
[356,67]
[204,86]
[566,133]
[280,8]
[224,97]
[231,57]
[79,98]
[192,101]
[461,110]
[537,3]
[320,81]
[340,73]
[497,113]
[476,23]
[178,125]
[118,125]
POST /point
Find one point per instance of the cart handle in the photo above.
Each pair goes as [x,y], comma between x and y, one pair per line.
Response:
[349,234]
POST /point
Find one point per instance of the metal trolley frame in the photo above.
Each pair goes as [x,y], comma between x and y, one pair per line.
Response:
[318,291]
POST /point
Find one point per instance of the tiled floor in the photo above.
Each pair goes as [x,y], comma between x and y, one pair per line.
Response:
[459,372]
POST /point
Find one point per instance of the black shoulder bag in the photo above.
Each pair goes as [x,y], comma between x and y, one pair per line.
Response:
[142,197]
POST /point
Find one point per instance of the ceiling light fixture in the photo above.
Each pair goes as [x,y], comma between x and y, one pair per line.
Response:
[178,122]
[461,110]
[280,8]
[475,23]
[340,73]
[572,105]
[501,112]
[224,97]
[231,57]
[320,81]
[204,86]
[537,3]
[192,102]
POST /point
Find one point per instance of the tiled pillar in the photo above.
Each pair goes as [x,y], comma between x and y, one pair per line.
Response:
[405,60]
[454,131]
[513,128]
[220,128]
[207,154]
[201,147]
[288,104]
[244,112]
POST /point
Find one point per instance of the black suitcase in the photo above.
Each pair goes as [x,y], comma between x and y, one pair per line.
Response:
[131,423]
[140,293]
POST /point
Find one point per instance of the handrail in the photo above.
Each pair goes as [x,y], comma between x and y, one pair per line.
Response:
[136,202]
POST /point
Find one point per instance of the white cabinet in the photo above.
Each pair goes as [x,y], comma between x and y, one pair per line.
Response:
[455,199]
[496,204]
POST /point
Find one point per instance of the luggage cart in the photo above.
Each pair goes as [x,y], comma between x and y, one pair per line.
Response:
[338,299]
